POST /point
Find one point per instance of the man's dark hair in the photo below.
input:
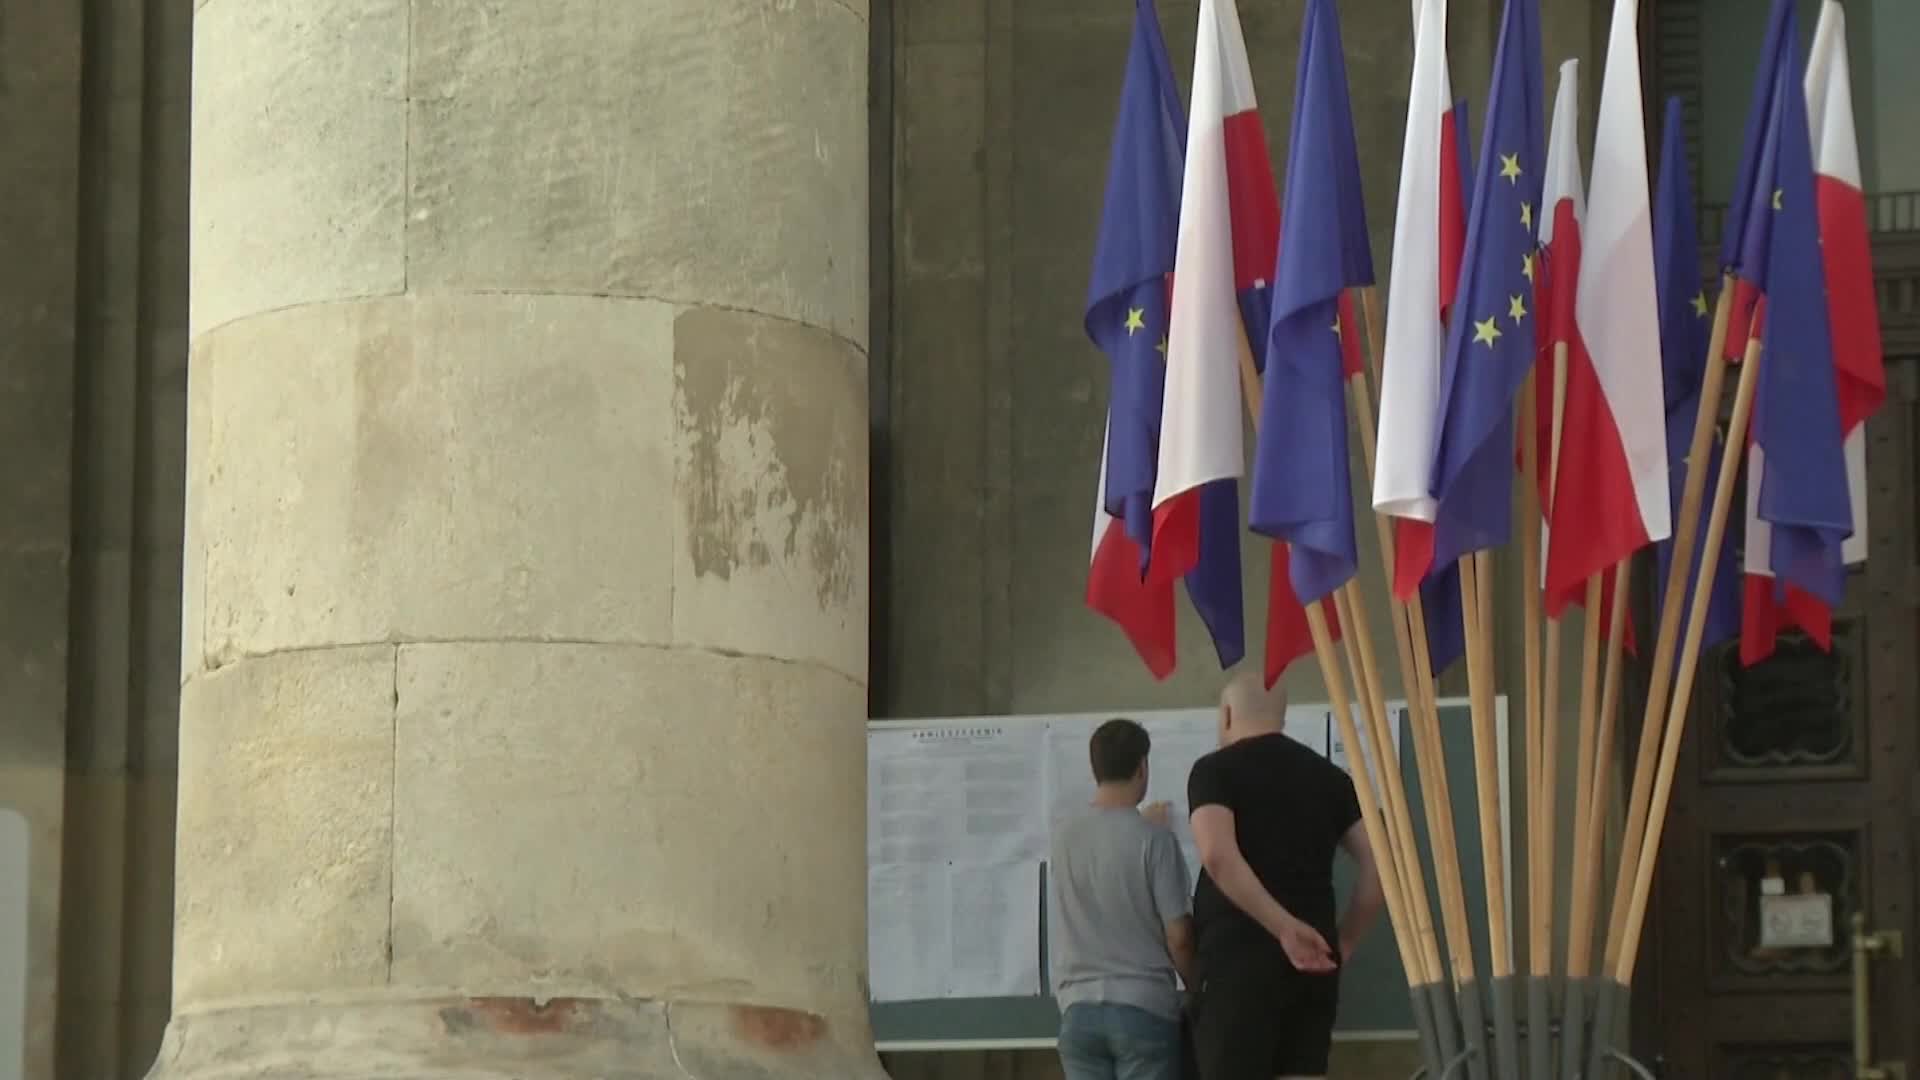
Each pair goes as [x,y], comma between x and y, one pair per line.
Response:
[1117,750]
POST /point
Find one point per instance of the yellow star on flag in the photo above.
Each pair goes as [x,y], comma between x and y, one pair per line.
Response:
[1516,308]
[1335,327]
[1700,303]
[1486,333]
[1136,320]
[1162,347]
[1777,193]
[1526,214]
[1526,265]
[1510,168]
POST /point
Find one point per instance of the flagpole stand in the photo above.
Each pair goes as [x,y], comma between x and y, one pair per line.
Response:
[1506,1029]
[1574,1025]
[1473,1029]
[1446,1025]
[1610,1001]
[1426,1024]
[1448,1071]
[1539,1028]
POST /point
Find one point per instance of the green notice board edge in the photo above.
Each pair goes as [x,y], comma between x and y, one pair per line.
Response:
[1373,988]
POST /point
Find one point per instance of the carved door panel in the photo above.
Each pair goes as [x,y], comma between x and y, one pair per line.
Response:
[1794,808]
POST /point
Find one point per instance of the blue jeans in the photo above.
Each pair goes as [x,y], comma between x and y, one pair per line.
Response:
[1118,1042]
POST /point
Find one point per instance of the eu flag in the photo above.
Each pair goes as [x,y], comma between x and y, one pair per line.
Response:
[1302,491]
[1127,303]
[1684,331]
[1126,316]
[1796,419]
[1490,340]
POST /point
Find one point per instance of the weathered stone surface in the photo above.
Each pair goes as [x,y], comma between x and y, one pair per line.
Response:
[285,826]
[698,151]
[454,467]
[770,490]
[471,1037]
[558,810]
[299,154]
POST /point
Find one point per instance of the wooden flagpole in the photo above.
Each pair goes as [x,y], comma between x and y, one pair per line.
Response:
[1417,677]
[1588,825]
[1656,816]
[1539,827]
[1548,806]
[1660,677]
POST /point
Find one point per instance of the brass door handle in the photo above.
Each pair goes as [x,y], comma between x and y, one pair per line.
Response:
[1867,946]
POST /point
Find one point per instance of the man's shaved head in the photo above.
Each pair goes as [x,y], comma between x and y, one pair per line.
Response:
[1247,707]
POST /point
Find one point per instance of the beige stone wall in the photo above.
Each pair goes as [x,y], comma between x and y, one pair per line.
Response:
[526,563]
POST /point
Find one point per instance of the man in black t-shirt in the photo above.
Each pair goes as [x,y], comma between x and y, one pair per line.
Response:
[1268,815]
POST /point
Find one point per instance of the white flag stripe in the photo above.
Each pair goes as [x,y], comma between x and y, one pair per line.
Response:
[1101,519]
[1415,340]
[1562,180]
[1200,424]
[1616,303]
[1836,154]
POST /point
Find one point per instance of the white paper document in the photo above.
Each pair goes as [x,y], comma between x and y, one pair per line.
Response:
[947,931]
[1337,750]
[966,792]
[996,931]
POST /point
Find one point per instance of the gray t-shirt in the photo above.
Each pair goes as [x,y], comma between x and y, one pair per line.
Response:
[1115,880]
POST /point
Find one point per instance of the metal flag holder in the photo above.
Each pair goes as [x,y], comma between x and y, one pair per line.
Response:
[1470,1060]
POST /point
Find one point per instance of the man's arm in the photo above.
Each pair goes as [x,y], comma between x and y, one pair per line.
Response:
[1180,948]
[1221,856]
[1363,907]
[1167,869]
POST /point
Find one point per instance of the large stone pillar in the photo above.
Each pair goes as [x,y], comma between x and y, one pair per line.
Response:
[526,563]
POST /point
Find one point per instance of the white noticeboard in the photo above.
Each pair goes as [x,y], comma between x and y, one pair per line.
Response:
[13,944]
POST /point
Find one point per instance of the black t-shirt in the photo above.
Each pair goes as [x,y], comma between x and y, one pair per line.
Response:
[1291,808]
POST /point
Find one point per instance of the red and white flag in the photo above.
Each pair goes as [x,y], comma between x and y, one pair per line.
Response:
[1555,274]
[1201,413]
[1118,589]
[1610,497]
[1428,232]
[1860,371]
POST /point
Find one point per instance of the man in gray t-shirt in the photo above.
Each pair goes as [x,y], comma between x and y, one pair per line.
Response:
[1119,922]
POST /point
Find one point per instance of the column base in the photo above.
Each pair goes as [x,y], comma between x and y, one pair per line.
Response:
[500,1037]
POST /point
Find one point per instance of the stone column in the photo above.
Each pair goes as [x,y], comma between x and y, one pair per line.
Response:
[526,564]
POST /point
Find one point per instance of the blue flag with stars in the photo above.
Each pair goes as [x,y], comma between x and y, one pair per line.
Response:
[1779,40]
[1490,338]
[1127,293]
[1302,490]
[1684,332]
[1128,305]
[1796,410]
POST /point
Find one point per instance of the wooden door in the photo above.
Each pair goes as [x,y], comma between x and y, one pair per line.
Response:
[1799,780]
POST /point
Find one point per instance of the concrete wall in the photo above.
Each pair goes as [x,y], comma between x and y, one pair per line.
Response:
[92,419]
[1000,122]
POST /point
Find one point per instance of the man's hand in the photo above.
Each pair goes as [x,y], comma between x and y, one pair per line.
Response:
[1304,946]
[1159,813]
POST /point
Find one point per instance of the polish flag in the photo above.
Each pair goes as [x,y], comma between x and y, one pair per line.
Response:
[1142,608]
[1555,273]
[1853,311]
[1201,412]
[1556,276]
[1429,234]
[1611,495]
